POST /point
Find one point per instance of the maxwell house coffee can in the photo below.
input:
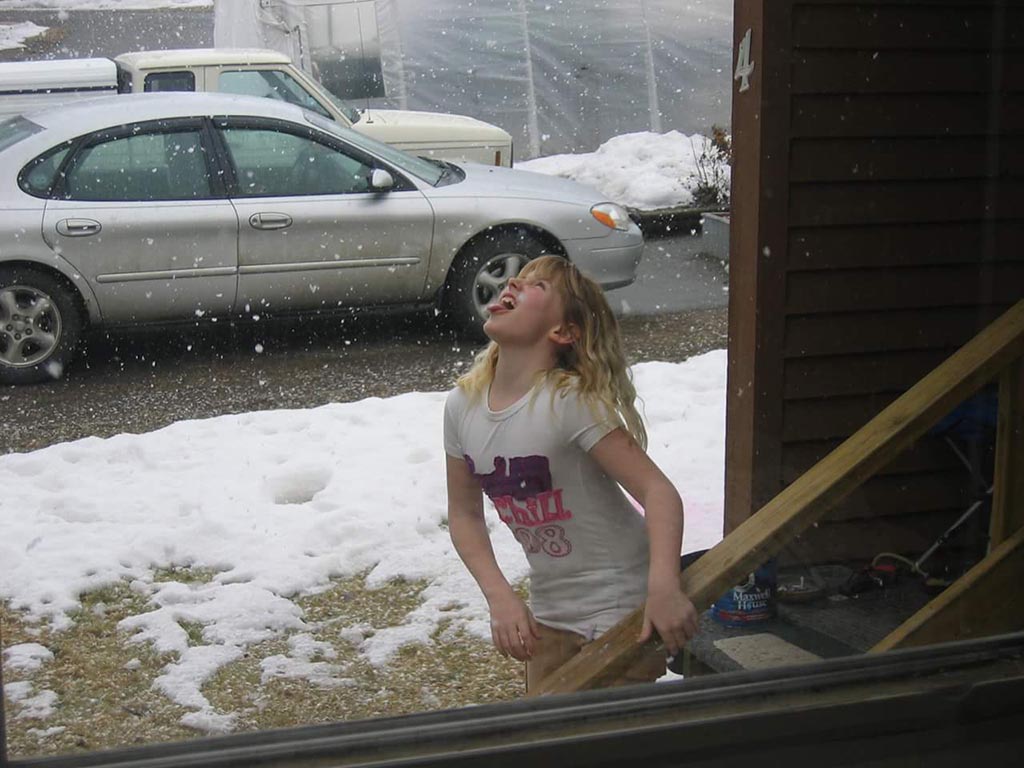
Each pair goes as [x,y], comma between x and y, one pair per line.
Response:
[748,603]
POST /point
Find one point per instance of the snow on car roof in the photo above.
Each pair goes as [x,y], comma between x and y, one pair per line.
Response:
[200,57]
[92,114]
[70,73]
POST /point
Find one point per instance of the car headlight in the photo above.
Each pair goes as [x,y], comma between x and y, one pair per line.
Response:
[611,215]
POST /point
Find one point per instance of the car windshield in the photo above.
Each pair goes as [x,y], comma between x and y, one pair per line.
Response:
[431,172]
[14,129]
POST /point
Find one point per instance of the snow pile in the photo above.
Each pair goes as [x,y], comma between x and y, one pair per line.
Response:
[278,503]
[641,170]
[27,657]
[15,35]
[31,705]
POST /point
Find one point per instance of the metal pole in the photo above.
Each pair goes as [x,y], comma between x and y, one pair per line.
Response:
[652,79]
[532,124]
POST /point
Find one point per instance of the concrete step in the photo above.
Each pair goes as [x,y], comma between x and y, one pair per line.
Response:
[828,627]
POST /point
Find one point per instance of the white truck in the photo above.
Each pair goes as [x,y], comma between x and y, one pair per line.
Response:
[252,72]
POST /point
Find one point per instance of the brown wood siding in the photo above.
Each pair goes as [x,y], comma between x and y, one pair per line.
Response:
[927,455]
[903,237]
[899,158]
[909,25]
[905,114]
[900,287]
[857,539]
[904,244]
[865,332]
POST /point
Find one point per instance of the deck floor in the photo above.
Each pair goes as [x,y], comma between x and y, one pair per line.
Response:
[828,627]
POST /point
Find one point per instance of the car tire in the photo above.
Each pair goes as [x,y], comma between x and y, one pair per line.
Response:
[40,324]
[480,274]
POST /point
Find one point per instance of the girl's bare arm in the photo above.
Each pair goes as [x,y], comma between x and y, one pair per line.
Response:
[513,628]
[668,610]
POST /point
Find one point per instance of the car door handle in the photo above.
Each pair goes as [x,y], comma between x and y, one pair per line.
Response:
[78,227]
[270,220]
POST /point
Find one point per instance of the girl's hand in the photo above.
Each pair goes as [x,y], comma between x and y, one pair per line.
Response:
[670,613]
[513,628]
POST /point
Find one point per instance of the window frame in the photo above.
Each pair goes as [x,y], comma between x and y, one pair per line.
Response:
[164,126]
[218,123]
[70,146]
[177,72]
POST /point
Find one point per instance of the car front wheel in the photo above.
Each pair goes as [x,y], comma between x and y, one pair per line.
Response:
[39,326]
[482,273]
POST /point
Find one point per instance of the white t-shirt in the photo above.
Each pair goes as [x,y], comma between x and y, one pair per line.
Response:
[585,542]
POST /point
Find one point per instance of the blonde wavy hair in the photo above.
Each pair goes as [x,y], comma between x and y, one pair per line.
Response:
[594,363]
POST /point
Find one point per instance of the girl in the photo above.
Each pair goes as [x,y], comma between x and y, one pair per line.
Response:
[545,424]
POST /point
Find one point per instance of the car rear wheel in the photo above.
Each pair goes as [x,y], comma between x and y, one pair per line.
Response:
[481,274]
[39,326]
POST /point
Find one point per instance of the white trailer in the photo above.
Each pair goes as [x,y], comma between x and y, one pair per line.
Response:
[31,85]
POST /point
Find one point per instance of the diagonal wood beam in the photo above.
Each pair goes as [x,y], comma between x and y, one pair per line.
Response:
[812,495]
[987,600]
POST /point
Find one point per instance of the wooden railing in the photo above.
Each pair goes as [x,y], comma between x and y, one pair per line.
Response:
[993,354]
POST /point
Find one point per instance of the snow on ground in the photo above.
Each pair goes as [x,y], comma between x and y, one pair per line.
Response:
[15,35]
[32,706]
[641,170]
[26,657]
[277,503]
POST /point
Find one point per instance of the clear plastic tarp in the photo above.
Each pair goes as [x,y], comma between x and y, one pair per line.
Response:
[559,75]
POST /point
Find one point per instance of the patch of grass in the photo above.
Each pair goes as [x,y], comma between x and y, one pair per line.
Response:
[348,601]
[103,704]
[102,681]
[16,630]
[454,670]
[184,574]
[117,598]
[194,632]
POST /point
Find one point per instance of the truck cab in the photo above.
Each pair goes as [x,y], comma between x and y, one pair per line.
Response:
[266,73]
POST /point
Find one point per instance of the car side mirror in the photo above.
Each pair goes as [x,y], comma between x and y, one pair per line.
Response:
[381,180]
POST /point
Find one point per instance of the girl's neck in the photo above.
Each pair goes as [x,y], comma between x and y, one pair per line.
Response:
[516,373]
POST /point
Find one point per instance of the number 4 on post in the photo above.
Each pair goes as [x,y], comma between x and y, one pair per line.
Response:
[744,66]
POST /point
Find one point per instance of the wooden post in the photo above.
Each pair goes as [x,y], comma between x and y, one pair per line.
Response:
[758,242]
[1008,495]
[812,495]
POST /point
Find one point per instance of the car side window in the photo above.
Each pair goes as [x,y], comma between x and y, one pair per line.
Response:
[269,84]
[275,163]
[148,166]
[169,81]
[40,176]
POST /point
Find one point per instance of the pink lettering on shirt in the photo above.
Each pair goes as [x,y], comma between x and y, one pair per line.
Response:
[522,492]
[545,507]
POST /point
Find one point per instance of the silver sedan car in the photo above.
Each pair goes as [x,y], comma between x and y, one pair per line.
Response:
[157,208]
